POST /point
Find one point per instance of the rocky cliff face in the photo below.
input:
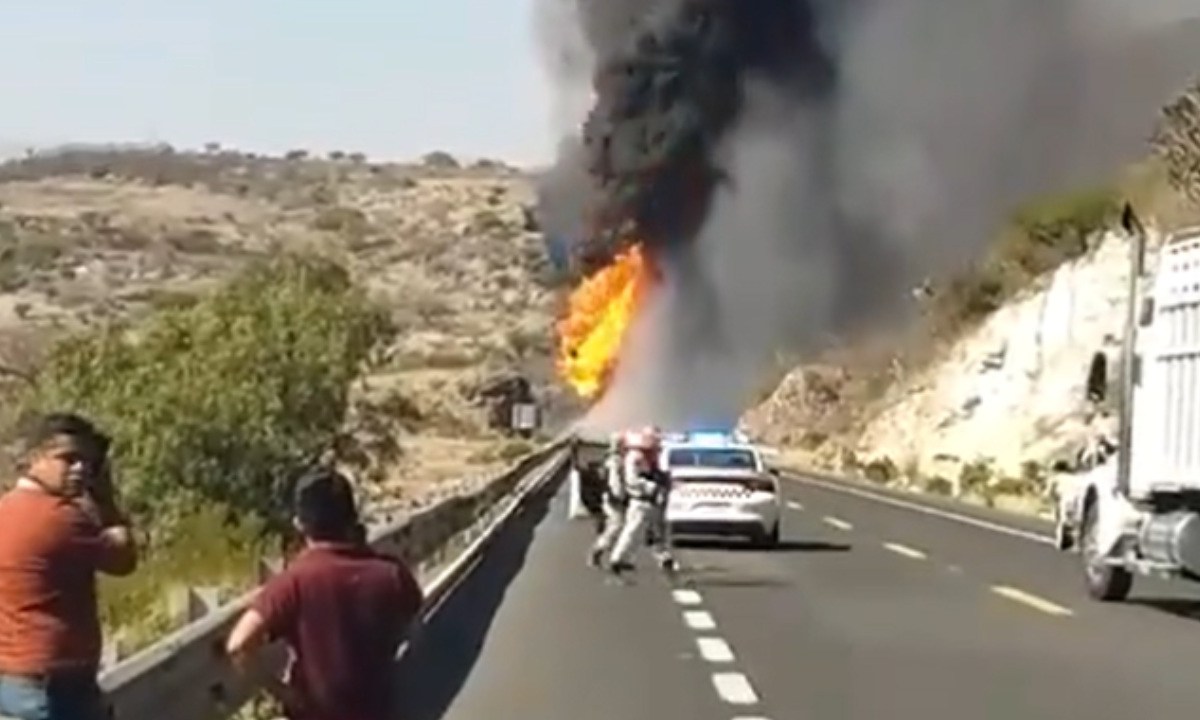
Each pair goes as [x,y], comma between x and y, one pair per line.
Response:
[1014,391]
[993,414]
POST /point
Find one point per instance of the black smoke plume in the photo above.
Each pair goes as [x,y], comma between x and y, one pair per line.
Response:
[667,94]
[797,166]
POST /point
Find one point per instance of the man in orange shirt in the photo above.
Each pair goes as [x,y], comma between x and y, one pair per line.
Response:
[59,526]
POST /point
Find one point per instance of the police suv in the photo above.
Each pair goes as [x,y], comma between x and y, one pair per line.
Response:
[720,485]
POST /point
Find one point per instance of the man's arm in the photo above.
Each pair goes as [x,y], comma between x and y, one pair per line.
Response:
[244,645]
[273,609]
[411,601]
[118,551]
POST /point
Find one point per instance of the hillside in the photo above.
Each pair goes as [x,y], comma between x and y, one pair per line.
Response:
[986,397]
[93,235]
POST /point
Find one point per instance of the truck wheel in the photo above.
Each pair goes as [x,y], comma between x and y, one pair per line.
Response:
[1107,583]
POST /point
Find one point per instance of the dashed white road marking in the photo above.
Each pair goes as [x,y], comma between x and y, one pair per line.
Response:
[837,523]
[741,717]
[1031,600]
[699,620]
[714,649]
[905,550]
[794,505]
[734,688]
[926,510]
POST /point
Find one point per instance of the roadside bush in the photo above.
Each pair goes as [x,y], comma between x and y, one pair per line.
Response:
[217,403]
[880,470]
[1040,236]
[976,477]
[346,220]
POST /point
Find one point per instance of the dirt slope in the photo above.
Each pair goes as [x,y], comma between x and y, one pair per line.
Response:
[91,234]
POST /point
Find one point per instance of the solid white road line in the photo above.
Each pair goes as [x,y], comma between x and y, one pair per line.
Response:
[927,510]
[905,551]
[686,597]
[699,620]
[714,649]
[838,523]
[734,688]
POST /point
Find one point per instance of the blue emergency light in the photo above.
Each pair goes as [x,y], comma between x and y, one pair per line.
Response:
[709,437]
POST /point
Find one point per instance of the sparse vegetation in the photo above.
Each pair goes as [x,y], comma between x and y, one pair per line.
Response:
[976,477]
[1041,236]
[937,485]
[217,312]
[214,406]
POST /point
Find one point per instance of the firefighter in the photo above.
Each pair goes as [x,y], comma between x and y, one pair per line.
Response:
[659,535]
[614,501]
[641,481]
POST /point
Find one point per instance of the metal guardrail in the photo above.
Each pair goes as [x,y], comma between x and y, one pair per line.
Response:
[186,676]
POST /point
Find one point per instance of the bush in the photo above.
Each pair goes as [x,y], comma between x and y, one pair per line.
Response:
[441,160]
[880,470]
[208,550]
[1040,237]
[217,403]
[976,477]
[346,220]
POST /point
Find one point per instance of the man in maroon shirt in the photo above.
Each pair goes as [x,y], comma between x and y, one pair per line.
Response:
[342,608]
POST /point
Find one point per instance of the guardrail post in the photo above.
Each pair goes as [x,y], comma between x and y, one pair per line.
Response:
[113,649]
[189,604]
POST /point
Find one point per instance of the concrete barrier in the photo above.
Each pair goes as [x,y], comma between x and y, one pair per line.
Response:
[185,676]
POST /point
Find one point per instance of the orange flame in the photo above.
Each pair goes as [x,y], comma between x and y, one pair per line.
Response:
[599,312]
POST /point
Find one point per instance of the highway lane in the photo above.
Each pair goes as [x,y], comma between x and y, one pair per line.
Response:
[992,557]
[1035,643]
[867,611]
[535,634]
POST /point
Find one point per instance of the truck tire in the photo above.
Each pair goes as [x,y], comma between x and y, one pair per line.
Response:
[1106,583]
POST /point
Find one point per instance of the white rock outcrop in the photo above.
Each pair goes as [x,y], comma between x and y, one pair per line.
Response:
[1014,389]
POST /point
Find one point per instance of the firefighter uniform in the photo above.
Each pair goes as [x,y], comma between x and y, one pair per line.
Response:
[614,501]
[643,490]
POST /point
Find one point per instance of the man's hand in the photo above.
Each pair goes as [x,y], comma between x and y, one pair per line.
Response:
[104,494]
[119,555]
[243,645]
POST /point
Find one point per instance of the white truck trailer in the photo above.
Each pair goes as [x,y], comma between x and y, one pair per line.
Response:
[1136,508]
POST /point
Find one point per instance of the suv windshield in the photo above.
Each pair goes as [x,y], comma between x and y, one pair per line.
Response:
[711,457]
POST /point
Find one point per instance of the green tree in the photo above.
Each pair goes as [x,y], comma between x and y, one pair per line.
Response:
[219,402]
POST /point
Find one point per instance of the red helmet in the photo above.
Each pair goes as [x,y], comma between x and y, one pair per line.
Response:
[646,438]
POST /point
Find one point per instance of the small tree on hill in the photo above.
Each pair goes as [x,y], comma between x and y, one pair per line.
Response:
[1177,142]
[441,160]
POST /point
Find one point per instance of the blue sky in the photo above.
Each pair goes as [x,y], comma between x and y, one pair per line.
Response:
[392,78]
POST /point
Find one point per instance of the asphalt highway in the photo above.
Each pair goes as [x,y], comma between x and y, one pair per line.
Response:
[875,606]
